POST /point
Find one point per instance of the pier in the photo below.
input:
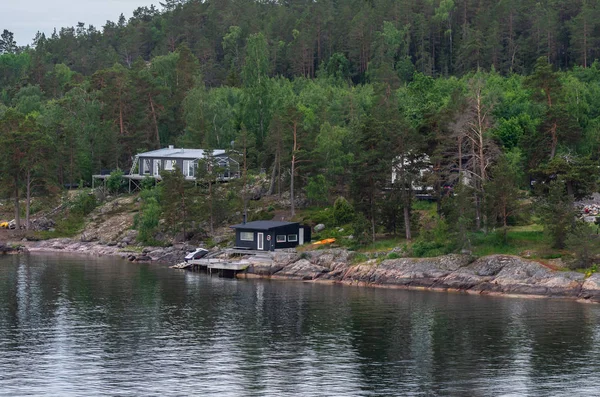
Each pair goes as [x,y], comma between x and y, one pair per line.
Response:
[222,267]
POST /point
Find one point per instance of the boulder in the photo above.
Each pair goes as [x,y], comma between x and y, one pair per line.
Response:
[591,288]
[303,270]
[319,227]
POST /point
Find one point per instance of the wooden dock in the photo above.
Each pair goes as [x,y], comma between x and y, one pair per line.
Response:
[223,267]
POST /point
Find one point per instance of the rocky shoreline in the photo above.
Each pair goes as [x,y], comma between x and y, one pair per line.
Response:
[167,255]
[494,274]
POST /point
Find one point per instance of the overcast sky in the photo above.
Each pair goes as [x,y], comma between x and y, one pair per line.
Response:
[25,17]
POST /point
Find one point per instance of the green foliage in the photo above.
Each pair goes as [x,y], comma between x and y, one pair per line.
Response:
[67,226]
[83,203]
[316,190]
[584,243]
[361,228]
[343,212]
[148,183]
[394,255]
[556,212]
[316,215]
[357,258]
[147,220]
[98,98]
[434,241]
[114,183]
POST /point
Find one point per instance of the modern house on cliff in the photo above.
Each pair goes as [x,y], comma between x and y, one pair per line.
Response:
[151,164]
[270,235]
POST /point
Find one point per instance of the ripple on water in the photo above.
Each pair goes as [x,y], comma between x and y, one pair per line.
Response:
[105,327]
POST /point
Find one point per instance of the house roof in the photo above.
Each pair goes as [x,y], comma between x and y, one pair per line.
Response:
[180,153]
[262,225]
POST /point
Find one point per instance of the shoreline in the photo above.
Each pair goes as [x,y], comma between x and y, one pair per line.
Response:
[494,275]
[69,246]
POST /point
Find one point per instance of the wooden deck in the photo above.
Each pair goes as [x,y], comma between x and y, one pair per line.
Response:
[214,265]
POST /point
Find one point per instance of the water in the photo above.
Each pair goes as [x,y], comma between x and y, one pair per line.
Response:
[75,326]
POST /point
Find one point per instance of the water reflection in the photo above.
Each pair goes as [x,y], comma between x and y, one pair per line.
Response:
[80,326]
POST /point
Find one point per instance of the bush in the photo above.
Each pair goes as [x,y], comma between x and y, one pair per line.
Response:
[115,181]
[343,212]
[433,242]
[394,255]
[557,213]
[147,220]
[147,183]
[581,240]
[84,203]
[424,249]
[362,229]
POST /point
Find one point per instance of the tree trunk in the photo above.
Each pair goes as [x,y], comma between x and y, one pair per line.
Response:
[584,42]
[245,180]
[28,203]
[505,222]
[157,136]
[17,207]
[273,175]
[183,212]
[279,175]
[210,203]
[554,142]
[295,132]
[407,222]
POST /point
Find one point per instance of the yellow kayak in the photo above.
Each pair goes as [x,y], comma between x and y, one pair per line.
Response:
[326,241]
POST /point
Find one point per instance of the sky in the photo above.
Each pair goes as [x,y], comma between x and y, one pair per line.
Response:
[26,17]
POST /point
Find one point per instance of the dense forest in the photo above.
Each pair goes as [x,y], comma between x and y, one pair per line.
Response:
[328,96]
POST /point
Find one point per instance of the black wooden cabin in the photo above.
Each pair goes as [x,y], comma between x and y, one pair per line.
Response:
[270,235]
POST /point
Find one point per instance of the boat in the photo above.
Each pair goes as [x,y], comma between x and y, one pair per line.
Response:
[196,254]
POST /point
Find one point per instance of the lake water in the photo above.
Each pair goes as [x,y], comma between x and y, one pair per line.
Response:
[76,326]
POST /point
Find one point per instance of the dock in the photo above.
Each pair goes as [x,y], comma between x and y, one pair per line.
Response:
[222,267]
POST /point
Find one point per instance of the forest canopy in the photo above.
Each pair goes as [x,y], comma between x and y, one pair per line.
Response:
[341,90]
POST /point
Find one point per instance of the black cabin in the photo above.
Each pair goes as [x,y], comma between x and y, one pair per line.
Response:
[270,235]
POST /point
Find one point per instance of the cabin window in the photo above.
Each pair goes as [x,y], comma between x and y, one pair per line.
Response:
[147,167]
[281,238]
[192,167]
[170,165]
[157,167]
[292,238]
[247,236]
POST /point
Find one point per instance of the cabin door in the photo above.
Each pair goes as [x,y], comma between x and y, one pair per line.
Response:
[301,236]
[260,242]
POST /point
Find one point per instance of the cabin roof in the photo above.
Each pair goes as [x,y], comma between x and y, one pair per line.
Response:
[180,153]
[262,225]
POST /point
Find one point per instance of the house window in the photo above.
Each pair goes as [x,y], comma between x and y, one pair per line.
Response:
[157,167]
[147,167]
[170,165]
[192,167]
[292,238]
[247,236]
[281,238]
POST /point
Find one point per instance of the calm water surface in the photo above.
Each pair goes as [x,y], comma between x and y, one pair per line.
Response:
[74,326]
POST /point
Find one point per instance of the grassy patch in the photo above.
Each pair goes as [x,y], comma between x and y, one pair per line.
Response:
[519,239]
[68,226]
[358,258]
[394,255]
[382,245]
[426,206]
[316,215]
